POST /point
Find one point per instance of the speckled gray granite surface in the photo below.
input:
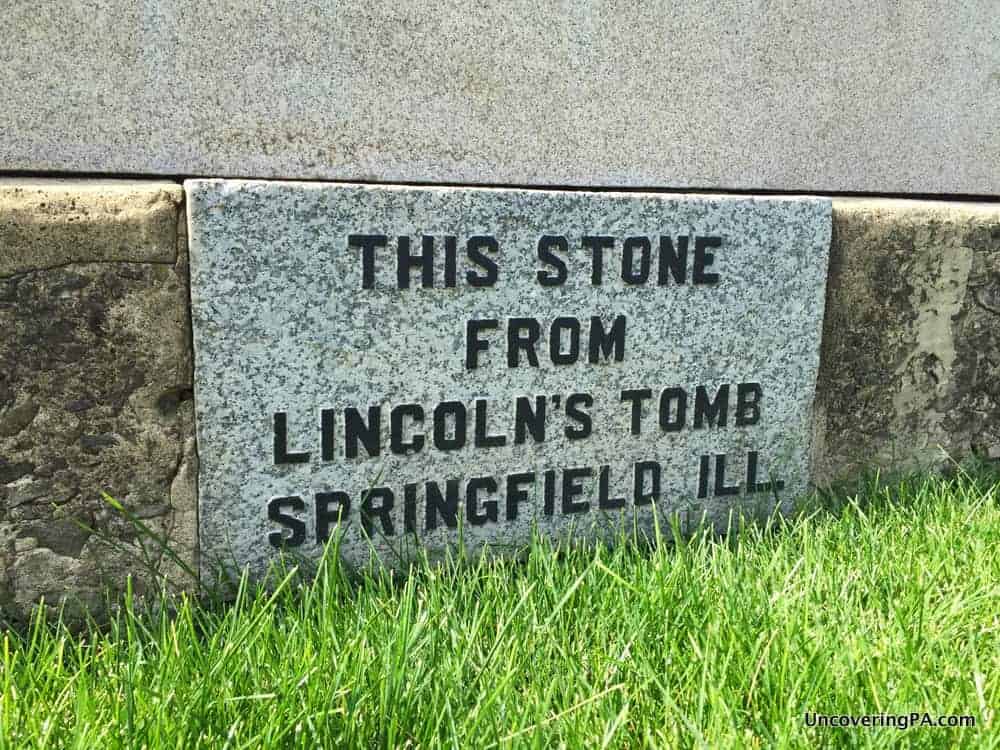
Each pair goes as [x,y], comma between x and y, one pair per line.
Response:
[891,96]
[300,349]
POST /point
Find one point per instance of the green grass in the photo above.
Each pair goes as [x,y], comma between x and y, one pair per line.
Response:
[890,604]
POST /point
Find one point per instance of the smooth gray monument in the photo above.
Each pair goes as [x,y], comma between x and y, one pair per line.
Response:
[438,364]
[876,96]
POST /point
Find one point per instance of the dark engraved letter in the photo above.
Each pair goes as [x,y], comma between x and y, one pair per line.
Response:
[604,342]
[516,493]
[383,510]
[629,274]
[281,453]
[703,260]
[752,484]
[442,411]
[676,422]
[516,341]
[571,488]
[703,465]
[673,262]
[397,442]
[549,492]
[450,263]
[327,516]
[713,412]
[405,262]
[474,249]
[274,513]
[526,420]
[546,245]
[410,508]
[748,397]
[597,245]
[604,499]
[355,431]
[642,469]
[482,437]
[489,484]
[474,344]
[368,244]
[572,325]
[446,506]
[328,426]
[721,488]
[584,424]
[636,396]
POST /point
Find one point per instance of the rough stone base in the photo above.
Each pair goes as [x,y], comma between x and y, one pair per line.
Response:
[96,370]
[95,389]
[910,365]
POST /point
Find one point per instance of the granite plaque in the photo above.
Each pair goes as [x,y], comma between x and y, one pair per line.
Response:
[444,366]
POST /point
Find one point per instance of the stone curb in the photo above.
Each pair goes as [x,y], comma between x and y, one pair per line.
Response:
[95,389]
[96,370]
[910,357]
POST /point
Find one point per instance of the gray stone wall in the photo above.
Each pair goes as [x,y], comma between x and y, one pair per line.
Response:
[95,388]
[96,369]
[877,96]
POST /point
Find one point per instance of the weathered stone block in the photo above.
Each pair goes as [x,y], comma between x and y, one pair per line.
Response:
[95,386]
[910,366]
[437,347]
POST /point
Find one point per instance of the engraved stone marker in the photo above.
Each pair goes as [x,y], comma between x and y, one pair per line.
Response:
[438,364]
